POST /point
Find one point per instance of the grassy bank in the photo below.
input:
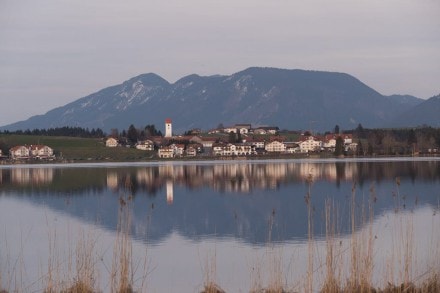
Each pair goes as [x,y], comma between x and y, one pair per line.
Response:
[76,149]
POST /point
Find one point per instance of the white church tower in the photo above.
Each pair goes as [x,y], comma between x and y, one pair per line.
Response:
[168,128]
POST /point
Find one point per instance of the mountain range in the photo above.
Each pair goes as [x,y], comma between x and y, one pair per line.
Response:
[289,99]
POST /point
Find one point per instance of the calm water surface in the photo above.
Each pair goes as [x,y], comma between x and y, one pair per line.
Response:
[238,221]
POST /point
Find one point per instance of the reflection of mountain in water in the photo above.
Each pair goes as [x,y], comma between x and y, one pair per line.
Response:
[249,201]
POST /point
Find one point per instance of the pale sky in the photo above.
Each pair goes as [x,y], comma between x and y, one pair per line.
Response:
[53,52]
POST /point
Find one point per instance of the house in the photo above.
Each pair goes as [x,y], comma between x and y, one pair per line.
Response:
[243,128]
[40,151]
[292,147]
[197,146]
[352,147]
[19,152]
[330,142]
[207,142]
[178,149]
[244,149]
[191,151]
[275,146]
[258,143]
[111,142]
[229,149]
[330,139]
[238,128]
[309,144]
[266,130]
[145,145]
[166,152]
[217,149]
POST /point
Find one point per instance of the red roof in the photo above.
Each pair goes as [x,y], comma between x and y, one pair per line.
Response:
[168,120]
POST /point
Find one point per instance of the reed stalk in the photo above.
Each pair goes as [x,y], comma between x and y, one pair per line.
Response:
[310,236]
[210,269]
[333,261]
[122,269]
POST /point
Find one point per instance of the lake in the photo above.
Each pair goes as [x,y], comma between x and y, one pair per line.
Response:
[241,224]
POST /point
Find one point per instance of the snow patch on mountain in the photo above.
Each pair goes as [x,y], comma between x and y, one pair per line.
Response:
[270,93]
[69,111]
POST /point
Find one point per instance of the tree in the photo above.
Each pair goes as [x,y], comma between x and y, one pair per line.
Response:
[232,137]
[389,143]
[337,129]
[132,135]
[239,138]
[360,132]
[370,149]
[360,148]
[339,148]
[150,130]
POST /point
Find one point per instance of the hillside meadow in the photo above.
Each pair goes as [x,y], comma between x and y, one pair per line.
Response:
[75,148]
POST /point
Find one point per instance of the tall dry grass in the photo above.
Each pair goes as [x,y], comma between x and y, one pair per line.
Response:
[210,275]
[333,260]
[122,272]
[310,235]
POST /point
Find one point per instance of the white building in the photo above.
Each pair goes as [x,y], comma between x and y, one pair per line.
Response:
[19,152]
[238,128]
[191,151]
[111,142]
[229,149]
[330,142]
[275,146]
[146,145]
[168,128]
[309,144]
[166,152]
[40,151]
[178,149]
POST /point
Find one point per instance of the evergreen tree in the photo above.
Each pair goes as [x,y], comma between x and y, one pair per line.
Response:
[132,135]
[370,149]
[232,137]
[239,138]
[360,148]
[360,132]
[339,148]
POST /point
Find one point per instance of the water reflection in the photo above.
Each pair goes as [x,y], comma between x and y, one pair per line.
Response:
[256,202]
[238,177]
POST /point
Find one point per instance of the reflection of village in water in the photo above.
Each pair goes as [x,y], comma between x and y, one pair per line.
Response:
[229,177]
[245,177]
[23,176]
[227,199]
[240,177]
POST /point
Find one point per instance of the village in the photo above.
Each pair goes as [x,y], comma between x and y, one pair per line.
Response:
[239,140]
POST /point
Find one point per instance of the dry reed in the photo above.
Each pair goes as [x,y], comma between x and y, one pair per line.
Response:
[210,268]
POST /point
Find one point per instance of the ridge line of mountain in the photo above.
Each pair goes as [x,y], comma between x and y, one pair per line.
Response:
[287,98]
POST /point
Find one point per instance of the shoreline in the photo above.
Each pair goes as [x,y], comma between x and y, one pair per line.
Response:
[211,160]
